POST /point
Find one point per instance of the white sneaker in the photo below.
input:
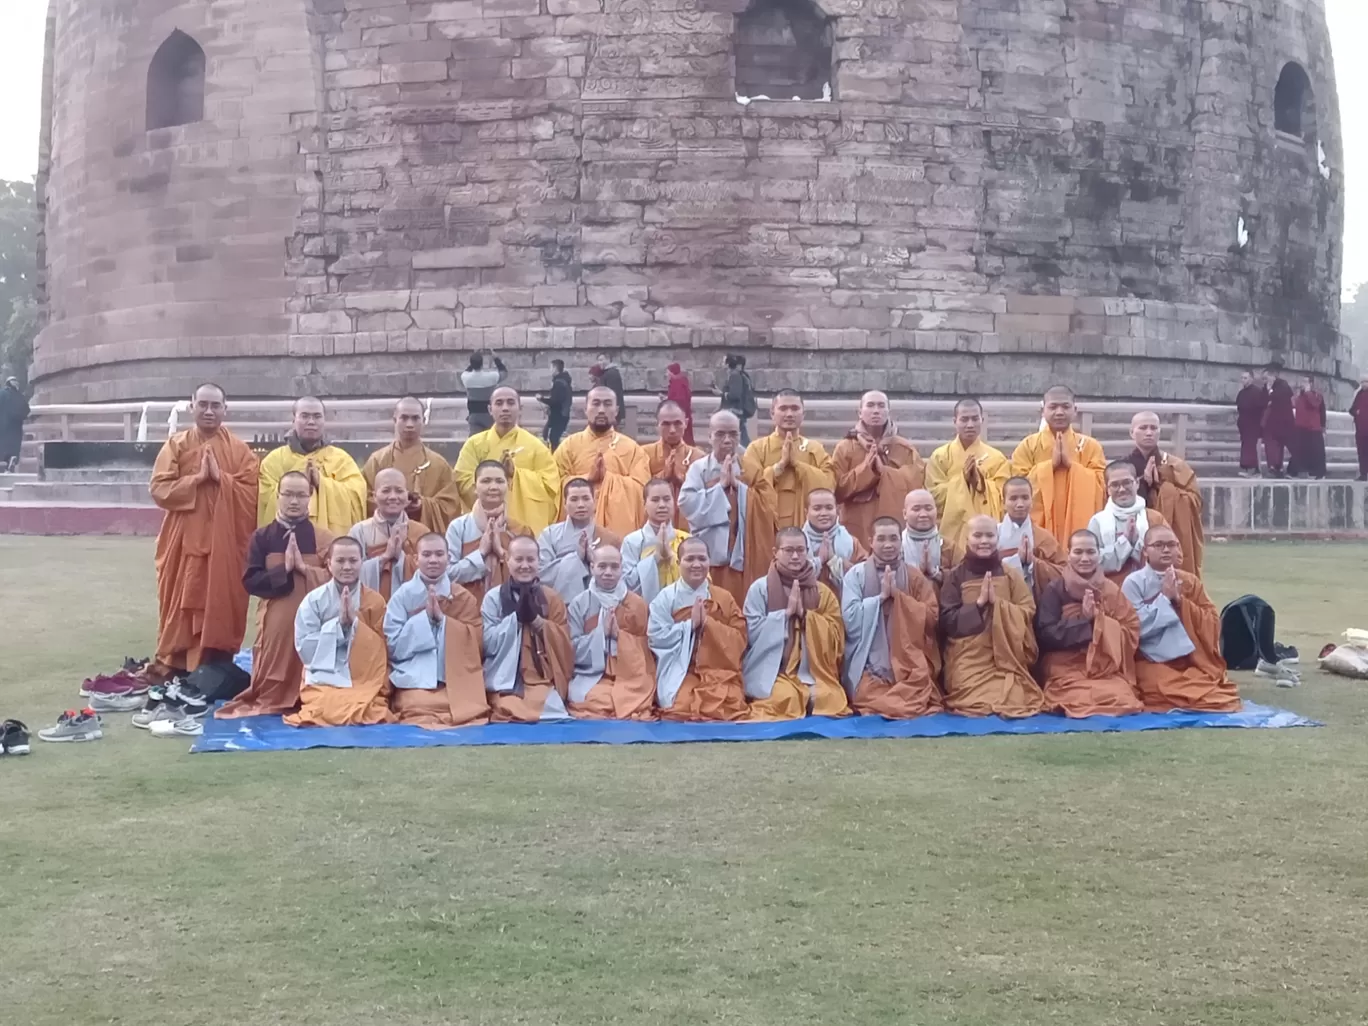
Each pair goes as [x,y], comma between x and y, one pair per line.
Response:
[1281,674]
[186,727]
[117,703]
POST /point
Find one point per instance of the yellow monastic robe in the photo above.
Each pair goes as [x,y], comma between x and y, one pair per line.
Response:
[954,499]
[533,491]
[1065,500]
[811,470]
[427,473]
[620,504]
[337,504]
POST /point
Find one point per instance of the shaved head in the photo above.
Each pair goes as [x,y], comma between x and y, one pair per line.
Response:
[1058,393]
[391,475]
[983,522]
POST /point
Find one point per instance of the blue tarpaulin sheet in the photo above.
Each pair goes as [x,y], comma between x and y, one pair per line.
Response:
[270,734]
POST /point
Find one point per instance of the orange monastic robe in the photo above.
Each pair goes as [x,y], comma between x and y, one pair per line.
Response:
[672,466]
[429,476]
[1066,499]
[711,689]
[619,506]
[366,701]
[811,470]
[989,652]
[366,533]
[1196,681]
[1180,501]
[616,686]
[544,664]
[778,649]
[202,546]
[713,516]
[892,649]
[1088,668]
[864,495]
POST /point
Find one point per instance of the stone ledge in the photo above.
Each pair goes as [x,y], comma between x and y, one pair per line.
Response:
[1261,508]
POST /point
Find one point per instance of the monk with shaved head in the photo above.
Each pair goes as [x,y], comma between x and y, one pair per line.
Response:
[1180,664]
[987,616]
[966,476]
[206,480]
[923,544]
[533,479]
[786,463]
[614,676]
[389,537]
[875,468]
[339,489]
[1168,486]
[614,464]
[434,500]
[1065,468]
[670,455]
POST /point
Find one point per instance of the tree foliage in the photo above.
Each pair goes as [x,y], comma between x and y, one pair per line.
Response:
[18,277]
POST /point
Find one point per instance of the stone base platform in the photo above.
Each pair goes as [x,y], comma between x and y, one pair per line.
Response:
[79,518]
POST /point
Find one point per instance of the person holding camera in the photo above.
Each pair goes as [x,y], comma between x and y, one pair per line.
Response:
[479,385]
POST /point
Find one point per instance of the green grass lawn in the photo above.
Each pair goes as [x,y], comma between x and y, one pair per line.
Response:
[1203,877]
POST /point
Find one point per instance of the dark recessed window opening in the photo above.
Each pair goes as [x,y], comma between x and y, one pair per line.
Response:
[175,83]
[783,50]
[1294,104]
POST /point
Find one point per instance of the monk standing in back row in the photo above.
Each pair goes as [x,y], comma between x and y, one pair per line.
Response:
[1169,486]
[670,455]
[1065,468]
[206,481]
[339,499]
[875,468]
[533,479]
[966,476]
[787,463]
[614,464]
[433,498]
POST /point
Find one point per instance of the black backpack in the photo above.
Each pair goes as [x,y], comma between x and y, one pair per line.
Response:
[1247,630]
[219,682]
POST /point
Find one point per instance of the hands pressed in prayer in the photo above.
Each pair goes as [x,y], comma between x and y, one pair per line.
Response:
[973,476]
[487,539]
[346,618]
[926,561]
[886,584]
[698,614]
[1089,604]
[1061,455]
[394,549]
[1151,475]
[599,470]
[824,550]
[294,562]
[1132,531]
[795,602]
[610,624]
[500,525]
[582,547]
[212,463]
[729,472]
[414,509]
[311,472]
[1024,551]
[665,556]
[508,463]
[986,596]
[1169,586]
[434,605]
[785,455]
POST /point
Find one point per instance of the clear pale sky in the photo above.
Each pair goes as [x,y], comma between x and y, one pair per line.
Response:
[21,69]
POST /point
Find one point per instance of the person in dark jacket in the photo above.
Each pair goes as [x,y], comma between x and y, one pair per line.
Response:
[1279,420]
[14,410]
[1249,411]
[1358,410]
[738,394]
[1308,446]
[558,403]
[612,378]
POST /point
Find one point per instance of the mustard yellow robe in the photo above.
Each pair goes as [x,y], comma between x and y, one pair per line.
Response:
[340,499]
[427,473]
[533,491]
[811,470]
[620,505]
[954,499]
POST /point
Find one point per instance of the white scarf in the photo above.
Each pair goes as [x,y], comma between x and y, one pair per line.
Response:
[915,543]
[1010,534]
[609,599]
[1109,516]
[685,596]
[842,541]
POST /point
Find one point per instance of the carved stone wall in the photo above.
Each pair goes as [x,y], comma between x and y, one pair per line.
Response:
[999,194]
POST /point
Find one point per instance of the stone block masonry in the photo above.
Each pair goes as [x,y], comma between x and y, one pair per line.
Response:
[996,196]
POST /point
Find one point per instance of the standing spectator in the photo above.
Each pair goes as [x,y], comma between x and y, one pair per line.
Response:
[738,394]
[680,392]
[1249,411]
[479,385]
[1358,410]
[557,402]
[14,410]
[1279,421]
[611,377]
[1308,449]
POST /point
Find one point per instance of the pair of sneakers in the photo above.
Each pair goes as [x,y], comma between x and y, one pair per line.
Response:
[74,725]
[173,709]
[14,738]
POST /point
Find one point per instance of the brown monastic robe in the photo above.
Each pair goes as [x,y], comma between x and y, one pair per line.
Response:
[909,625]
[1196,681]
[1088,668]
[429,476]
[460,701]
[366,702]
[627,689]
[864,495]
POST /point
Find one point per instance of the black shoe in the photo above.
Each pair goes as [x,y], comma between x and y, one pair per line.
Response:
[14,738]
[1286,653]
[182,693]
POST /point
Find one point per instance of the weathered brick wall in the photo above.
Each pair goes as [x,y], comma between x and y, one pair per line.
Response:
[1001,194]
